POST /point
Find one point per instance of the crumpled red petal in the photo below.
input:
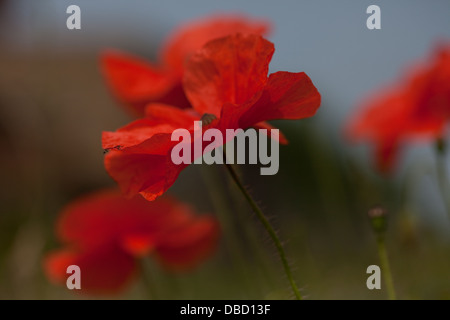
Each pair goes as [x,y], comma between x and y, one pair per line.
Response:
[146,168]
[192,36]
[139,158]
[227,70]
[287,95]
[134,81]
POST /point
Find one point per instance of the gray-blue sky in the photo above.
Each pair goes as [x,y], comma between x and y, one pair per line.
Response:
[326,38]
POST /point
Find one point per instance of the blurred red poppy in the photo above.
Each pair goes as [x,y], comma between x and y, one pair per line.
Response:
[136,82]
[227,80]
[417,108]
[104,234]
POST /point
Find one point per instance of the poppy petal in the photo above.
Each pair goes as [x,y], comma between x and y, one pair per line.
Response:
[146,168]
[265,125]
[385,155]
[103,270]
[371,121]
[134,133]
[415,108]
[227,70]
[286,96]
[184,247]
[104,215]
[138,245]
[172,115]
[135,81]
[159,119]
[192,36]
[55,265]
[104,233]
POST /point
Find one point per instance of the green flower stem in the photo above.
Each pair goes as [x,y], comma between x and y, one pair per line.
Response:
[146,279]
[224,212]
[268,228]
[385,268]
[248,231]
[378,220]
[441,172]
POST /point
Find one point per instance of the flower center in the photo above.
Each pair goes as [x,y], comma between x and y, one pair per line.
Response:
[207,118]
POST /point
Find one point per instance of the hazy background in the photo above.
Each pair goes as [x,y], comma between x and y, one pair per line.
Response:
[327,39]
[54,105]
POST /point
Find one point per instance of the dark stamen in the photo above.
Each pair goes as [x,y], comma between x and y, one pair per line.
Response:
[207,119]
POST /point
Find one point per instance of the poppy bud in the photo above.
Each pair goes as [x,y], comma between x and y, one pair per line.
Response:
[377,216]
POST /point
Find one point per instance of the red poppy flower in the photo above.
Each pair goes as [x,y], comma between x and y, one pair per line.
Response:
[417,108]
[104,233]
[227,80]
[136,82]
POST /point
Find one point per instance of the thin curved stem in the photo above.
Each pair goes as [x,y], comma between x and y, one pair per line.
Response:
[224,211]
[268,227]
[386,268]
[147,281]
[378,219]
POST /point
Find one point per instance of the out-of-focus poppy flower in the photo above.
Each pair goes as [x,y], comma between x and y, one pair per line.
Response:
[417,108]
[226,80]
[104,234]
[136,82]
